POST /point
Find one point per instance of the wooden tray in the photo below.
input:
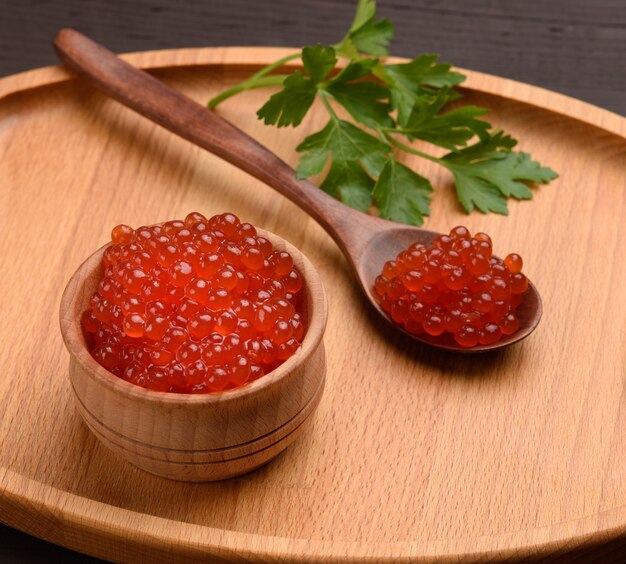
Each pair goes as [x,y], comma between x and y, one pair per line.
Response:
[414,454]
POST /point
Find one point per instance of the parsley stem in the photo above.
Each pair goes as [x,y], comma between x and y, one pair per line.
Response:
[257,80]
[408,149]
[274,66]
[398,130]
[260,82]
[328,106]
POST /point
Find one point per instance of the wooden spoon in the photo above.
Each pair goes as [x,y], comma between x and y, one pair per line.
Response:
[367,241]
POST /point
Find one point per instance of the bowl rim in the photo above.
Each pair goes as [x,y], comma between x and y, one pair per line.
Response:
[74,341]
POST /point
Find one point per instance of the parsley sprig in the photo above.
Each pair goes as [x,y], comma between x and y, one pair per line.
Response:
[391,106]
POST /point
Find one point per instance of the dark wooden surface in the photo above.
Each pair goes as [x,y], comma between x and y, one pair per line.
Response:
[577,47]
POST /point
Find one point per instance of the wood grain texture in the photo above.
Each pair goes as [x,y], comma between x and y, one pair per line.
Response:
[200,437]
[413,454]
[574,46]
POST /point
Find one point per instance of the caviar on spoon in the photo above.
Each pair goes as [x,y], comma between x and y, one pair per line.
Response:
[454,290]
[367,242]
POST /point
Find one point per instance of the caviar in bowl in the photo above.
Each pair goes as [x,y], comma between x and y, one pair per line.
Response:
[197,436]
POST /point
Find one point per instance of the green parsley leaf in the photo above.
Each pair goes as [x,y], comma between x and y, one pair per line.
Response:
[496,141]
[355,155]
[290,105]
[402,194]
[367,34]
[390,100]
[408,81]
[344,142]
[474,191]
[365,11]
[485,177]
[365,101]
[350,183]
[355,70]
[374,162]
[450,130]
[424,71]
[531,171]
[318,61]
[373,37]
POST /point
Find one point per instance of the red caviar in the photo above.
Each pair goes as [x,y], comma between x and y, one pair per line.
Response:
[453,288]
[194,306]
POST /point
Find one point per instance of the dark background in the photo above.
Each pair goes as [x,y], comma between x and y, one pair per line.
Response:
[577,47]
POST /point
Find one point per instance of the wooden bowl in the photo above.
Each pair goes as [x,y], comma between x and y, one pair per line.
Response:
[197,437]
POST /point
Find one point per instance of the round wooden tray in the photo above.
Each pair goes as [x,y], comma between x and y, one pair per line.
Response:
[414,454]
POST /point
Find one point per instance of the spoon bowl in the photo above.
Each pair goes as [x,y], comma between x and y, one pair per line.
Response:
[389,243]
[366,241]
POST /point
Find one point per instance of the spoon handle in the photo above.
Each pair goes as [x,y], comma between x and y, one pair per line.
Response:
[166,106]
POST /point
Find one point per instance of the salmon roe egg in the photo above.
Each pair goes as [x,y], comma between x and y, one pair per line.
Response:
[454,290]
[194,306]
